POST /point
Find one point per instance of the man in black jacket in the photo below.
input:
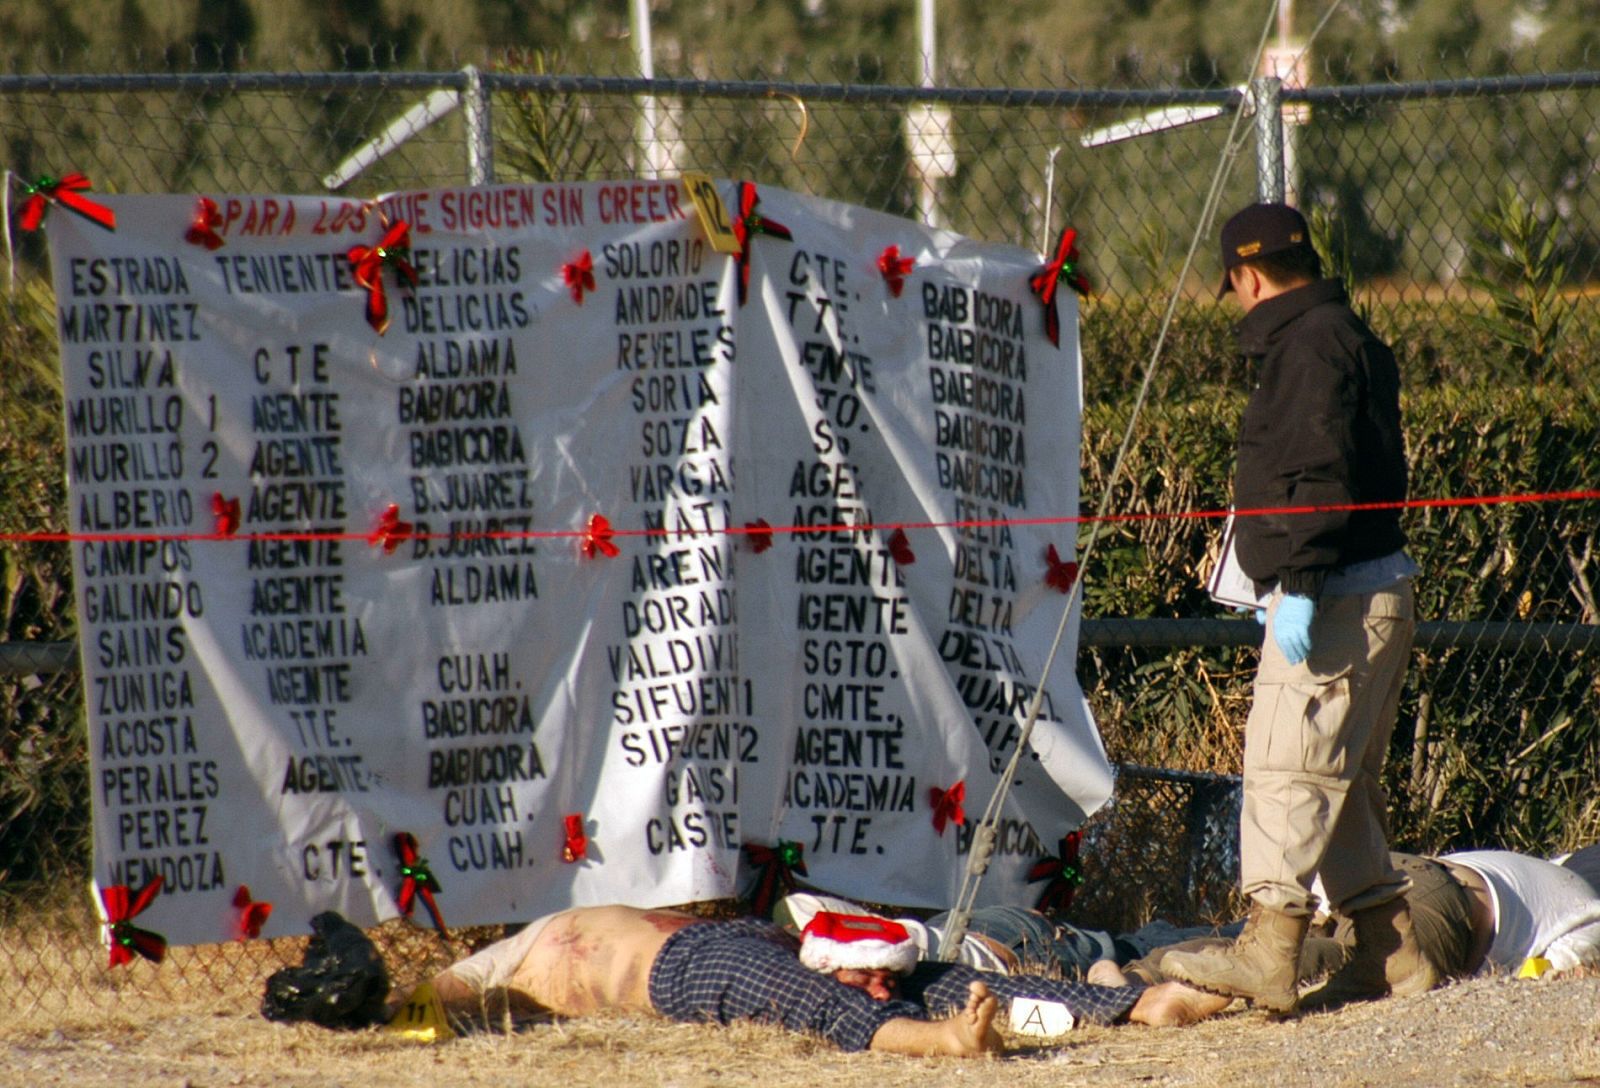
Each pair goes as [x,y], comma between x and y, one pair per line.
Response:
[1320,476]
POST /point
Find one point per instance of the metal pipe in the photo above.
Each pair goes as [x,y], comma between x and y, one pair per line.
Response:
[45,658]
[217,83]
[1268,93]
[480,129]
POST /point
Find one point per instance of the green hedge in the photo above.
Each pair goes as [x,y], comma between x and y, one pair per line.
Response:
[44,788]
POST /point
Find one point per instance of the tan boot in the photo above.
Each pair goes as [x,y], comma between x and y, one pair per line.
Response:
[1385,960]
[1262,964]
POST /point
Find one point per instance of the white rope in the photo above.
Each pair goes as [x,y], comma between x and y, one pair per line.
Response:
[1049,196]
[5,217]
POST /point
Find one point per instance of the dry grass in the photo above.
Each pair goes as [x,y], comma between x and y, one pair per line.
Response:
[194,1021]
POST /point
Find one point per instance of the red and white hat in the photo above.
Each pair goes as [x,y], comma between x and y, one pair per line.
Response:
[832,942]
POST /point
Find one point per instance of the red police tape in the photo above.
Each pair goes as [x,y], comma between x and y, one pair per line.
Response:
[762,529]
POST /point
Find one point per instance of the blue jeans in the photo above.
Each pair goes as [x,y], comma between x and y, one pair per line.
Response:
[1041,944]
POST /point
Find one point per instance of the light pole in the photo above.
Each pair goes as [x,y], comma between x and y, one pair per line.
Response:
[933,151]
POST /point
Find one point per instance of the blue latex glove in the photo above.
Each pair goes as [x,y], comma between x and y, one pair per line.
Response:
[1259,613]
[1291,627]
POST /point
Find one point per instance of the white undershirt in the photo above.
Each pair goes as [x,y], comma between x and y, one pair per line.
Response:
[1540,909]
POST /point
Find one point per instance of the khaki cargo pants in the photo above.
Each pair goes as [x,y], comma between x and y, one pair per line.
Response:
[1314,748]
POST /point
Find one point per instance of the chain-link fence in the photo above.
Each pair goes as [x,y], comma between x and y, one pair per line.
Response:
[1463,215]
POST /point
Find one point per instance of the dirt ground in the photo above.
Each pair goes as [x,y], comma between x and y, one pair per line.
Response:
[1496,1030]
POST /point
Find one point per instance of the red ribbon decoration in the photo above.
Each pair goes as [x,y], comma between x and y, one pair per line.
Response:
[746,225]
[1063,873]
[203,228]
[226,513]
[393,250]
[579,276]
[759,535]
[900,548]
[597,539]
[947,806]
[895,268]
[1063,267]
[775,867]
[122,906]
[416,880]
[391,531]
[577,846]
[252,915]
[1059,575]
[63,191]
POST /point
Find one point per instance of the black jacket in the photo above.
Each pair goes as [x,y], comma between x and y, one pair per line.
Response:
[1322,428]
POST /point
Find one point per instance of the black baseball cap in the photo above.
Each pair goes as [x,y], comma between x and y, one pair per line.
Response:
[1257,231]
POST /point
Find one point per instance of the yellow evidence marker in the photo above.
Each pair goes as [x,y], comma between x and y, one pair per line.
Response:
[1534,967]
[422,1018]
[713,212]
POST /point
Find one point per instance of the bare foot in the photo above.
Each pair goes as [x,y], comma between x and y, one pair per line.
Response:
[974,1024]
[1105,973]
[1172,1004]
[966,1034]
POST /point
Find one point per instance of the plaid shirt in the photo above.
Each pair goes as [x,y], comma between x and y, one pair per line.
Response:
[720,972]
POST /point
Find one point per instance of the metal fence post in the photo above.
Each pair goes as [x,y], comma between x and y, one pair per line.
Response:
[1267,91]
[480,131]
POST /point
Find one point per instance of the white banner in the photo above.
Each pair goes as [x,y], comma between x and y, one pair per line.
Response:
[411,625]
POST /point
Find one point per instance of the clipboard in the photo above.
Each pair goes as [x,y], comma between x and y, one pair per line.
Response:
[1228,584]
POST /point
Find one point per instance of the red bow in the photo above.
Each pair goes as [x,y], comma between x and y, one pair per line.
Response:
[203,228]
[416,880]
[597,538]
[577,847]
[947,807]
[391,531]
[579,275]
[895,268]
[252,915]
[775,867]
[1063,873]
[900,548]
[746,225]
[122,906]
[63,191]
[1059,575]
[226,513]
[392,249]
[759,534]
[1062,267]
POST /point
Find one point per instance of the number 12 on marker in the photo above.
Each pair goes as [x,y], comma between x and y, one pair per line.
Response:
[713,212]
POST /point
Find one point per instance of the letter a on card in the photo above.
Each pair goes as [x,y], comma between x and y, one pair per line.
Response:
[422,1018]
[1040,1019]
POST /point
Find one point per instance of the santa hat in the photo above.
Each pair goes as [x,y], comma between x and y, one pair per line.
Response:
[833,941]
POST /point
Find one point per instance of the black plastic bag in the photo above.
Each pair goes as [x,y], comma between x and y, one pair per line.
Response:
[341,984]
